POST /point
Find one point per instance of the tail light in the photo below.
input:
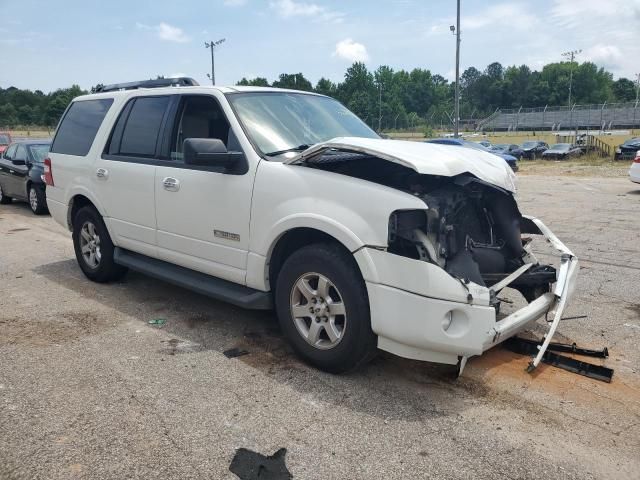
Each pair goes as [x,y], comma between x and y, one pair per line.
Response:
[637,159]
[48,173]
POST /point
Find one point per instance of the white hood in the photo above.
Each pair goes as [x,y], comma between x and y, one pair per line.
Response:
[424,158]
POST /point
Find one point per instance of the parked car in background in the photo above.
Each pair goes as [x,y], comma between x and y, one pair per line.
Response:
[5,140]
[560,151]
[484,143]
[628,149]
[510,159]
[21,168]
[533,149]
[634,171]
[508,149]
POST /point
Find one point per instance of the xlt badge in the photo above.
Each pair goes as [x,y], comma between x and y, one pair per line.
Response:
[226,235]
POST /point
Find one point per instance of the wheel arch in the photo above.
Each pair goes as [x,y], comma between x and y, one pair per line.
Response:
[291,241]
[78,201]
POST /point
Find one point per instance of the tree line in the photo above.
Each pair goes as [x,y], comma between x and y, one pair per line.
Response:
[394,98]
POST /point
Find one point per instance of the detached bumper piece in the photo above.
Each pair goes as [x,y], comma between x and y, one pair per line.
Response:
[532,347]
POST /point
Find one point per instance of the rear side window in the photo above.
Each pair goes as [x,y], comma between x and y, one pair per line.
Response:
[137,130]
[79,126]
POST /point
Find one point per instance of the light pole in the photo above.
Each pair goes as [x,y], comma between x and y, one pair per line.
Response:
[212,45]
[571,55]
[637,87]
[456,31]
[379,105]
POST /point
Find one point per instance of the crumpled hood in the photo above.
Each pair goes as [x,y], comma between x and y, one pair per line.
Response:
[424,158]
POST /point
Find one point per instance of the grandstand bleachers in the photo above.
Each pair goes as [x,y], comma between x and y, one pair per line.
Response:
[602,116]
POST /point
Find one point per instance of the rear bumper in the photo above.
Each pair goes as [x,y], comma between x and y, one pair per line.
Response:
[423,325]
[58,211]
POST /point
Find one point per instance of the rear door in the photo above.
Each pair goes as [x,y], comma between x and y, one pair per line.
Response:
[202,212]
[124,174]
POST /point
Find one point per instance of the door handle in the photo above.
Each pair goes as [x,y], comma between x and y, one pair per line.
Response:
[102,173]
[171,184]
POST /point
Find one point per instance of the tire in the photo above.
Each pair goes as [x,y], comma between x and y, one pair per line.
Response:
[37,200]
[95,239]
[4,200]
[353,343]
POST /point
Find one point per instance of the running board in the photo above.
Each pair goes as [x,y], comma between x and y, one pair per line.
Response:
[196,281]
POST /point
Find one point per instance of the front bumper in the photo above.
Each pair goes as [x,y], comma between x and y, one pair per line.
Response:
[421,312]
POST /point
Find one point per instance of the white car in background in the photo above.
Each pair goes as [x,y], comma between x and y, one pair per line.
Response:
[272,198]
[634,171]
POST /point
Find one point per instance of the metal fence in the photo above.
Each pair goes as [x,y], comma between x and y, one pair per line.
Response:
[602,116]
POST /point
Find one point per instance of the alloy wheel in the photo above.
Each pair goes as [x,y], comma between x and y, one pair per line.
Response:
[33,199]
[90,244]
[318,311]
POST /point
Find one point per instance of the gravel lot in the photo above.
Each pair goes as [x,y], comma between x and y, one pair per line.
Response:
[89,389]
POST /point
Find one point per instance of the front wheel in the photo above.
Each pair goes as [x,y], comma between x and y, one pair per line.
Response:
[37,200]
[323,308]
[94,248]
[4,200]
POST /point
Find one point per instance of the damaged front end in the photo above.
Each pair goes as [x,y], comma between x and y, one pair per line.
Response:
[471,228]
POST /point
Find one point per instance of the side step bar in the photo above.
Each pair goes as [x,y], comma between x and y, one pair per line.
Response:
[196,281]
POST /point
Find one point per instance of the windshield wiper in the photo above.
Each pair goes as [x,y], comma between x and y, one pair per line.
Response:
[299,148]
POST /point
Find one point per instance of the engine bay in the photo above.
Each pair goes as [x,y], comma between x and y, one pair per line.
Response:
[471,229]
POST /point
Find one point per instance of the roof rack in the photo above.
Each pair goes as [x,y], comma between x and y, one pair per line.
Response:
[160,82]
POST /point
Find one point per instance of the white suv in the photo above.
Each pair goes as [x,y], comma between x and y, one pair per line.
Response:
[276,198]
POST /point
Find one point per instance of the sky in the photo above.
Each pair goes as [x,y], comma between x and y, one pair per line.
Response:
[54,44]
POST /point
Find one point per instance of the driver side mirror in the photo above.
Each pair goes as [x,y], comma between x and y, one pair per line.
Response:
[210,152]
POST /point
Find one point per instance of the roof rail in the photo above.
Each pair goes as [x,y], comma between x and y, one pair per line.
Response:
[160,82]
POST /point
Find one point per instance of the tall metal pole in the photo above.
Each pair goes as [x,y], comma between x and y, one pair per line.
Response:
[457,100]
[380,105]
[637,87]
[571,55]
[212,45]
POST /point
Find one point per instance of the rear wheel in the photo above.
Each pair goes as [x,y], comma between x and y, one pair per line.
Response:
[323,308]
[94,248]
[37,200]
[3,198]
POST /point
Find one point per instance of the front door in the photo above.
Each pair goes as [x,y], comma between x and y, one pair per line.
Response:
[17,174]
[124,175]
[202,214]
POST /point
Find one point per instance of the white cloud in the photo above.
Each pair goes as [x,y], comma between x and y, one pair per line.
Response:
[588,22]
[235,3]
[350,50]
[291,8]
[515,15]
[166,32]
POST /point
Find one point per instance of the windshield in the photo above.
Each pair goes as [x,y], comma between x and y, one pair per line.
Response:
[475,146]
[529,144]
[632,141]
[561,146]
[275,122]
[39,152]
[500,146]
[4,139]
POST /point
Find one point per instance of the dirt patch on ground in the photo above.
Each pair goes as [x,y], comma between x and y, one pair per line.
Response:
[575,168]
[43,332]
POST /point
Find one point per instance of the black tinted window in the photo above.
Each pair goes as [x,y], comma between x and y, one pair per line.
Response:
[10,153]
[79,126]
[21,153]
[142,127]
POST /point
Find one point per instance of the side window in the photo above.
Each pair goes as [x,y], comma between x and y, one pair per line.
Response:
[21,153]
[11,152]
[200,116]
[79,126]
[138,127]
